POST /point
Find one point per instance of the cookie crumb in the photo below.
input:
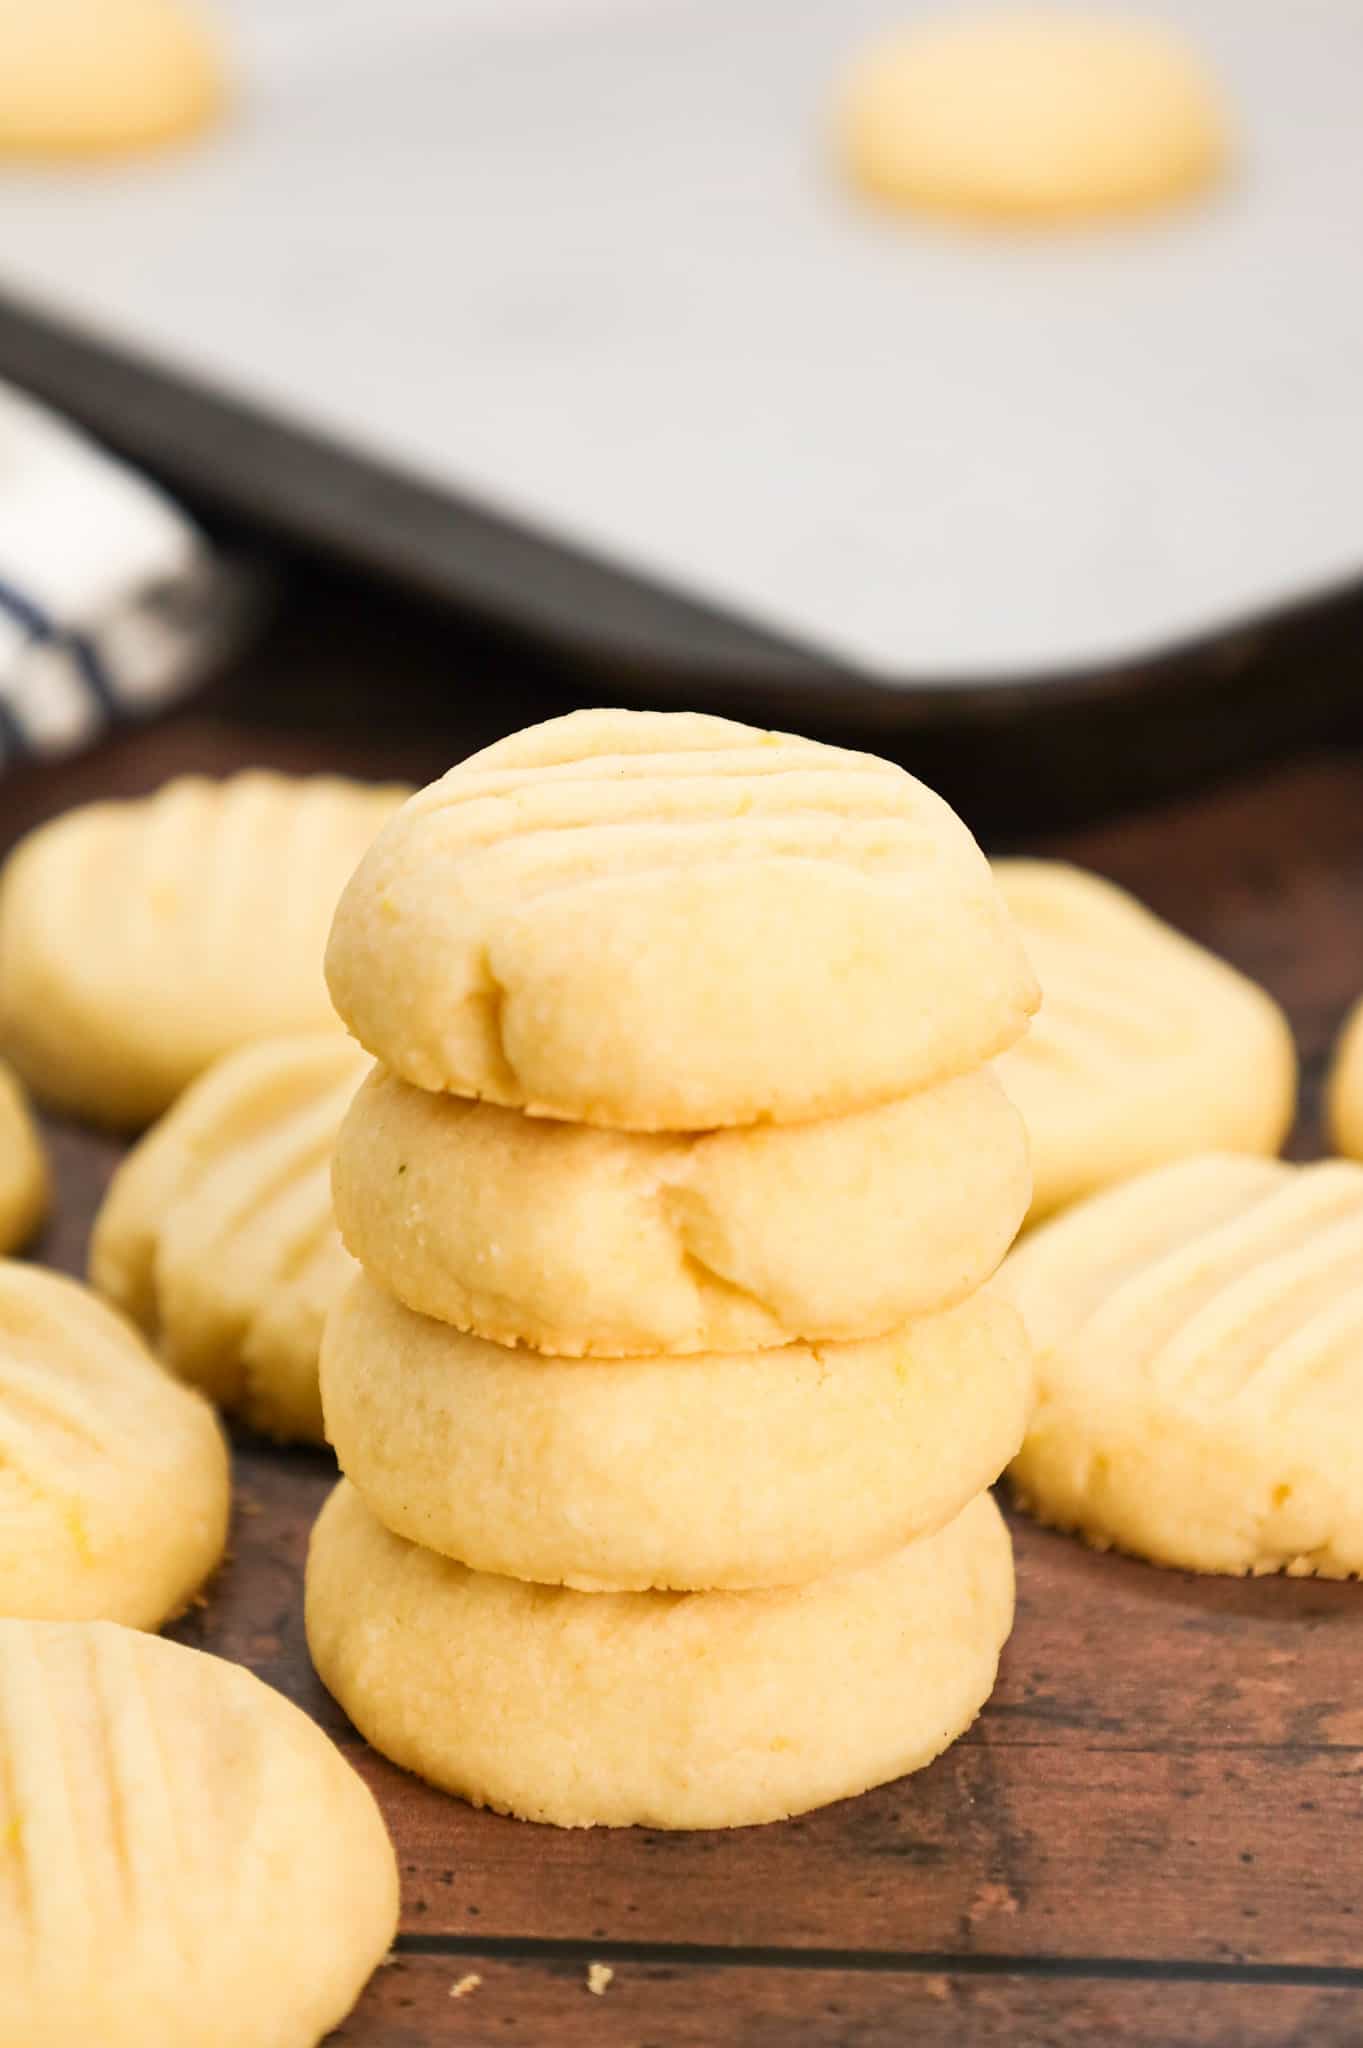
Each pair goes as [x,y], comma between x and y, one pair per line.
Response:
[464,1985]
[599,1976]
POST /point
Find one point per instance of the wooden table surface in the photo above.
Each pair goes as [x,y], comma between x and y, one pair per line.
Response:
[1154,1833]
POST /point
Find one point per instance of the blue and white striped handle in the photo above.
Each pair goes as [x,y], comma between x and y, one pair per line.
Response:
[111,602]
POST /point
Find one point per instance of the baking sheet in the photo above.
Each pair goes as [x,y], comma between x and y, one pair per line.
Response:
[585,261]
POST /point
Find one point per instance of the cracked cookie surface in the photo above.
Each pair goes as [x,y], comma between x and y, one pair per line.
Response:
[660,921]
[582,1241]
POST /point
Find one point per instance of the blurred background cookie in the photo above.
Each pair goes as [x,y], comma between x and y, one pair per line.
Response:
[217,1237]
[140,940]
[1031,115]
[25,1188]
[1345,1091]
[100,77]
[1146,1047]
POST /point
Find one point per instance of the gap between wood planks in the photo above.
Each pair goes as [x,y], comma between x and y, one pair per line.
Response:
[879,1962]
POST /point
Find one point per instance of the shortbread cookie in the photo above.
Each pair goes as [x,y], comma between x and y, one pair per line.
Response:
[1344,1109]
[24,1184]
[1147,1046]
[1031,116]
[753,1469]
[666,922]
[583,1241]
[185,1860]
[1199,1337]
[113,1479]
[671,1710]
[91,77]
[138,941]
[217,1236]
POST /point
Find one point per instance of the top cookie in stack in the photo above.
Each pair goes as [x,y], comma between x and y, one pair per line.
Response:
[666,922]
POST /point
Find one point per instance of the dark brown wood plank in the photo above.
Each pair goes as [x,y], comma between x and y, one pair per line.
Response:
[682,2005]
[1061,1851]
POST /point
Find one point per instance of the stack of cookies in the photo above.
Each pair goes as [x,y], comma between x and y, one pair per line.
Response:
[667,1397]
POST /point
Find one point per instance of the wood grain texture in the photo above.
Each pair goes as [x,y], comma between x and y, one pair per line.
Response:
[519,2002]
[1152,1834]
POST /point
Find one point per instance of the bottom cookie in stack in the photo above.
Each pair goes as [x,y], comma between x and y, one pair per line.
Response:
[668,1710]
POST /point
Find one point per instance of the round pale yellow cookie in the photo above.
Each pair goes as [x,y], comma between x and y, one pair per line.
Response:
[139,941]
[1199,1339]
[25,1187]
[94,77]
[114,1480]
[186,1861]
[1147,1047]
[754,1469]
[582,1241]
[217,1236]
[1344,1095]
[659,921]
[1031,116]
[670,1710]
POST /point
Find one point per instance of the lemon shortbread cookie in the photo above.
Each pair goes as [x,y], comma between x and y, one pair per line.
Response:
[24,1183]
[1344,1108]
[1037,115]
[1147,1046]
[138,941]
[185,1860]
[82,77]
[113,1479]
[1199,1341]
[580,1241]
[217,1236]
[663,921]
[752,1469]
[675,1710]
